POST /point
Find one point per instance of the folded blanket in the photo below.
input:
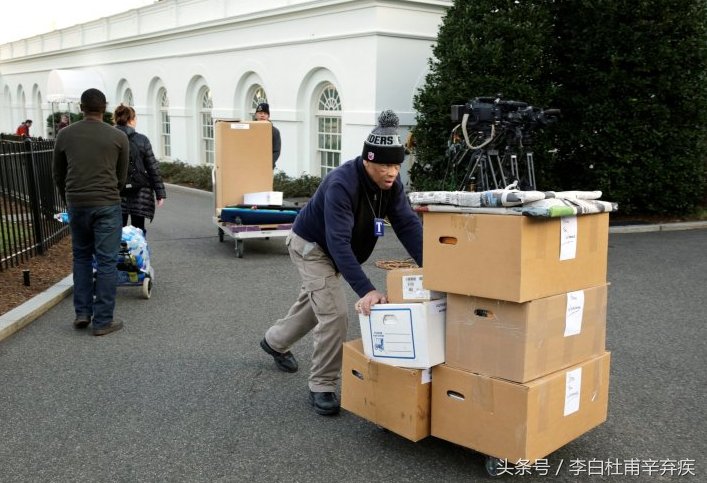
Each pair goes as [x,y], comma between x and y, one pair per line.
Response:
[555,207]
[495,198]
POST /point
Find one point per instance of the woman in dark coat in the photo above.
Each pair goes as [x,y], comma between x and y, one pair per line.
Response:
[140,204]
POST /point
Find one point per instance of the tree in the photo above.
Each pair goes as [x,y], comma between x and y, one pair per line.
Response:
[483,48]
[628,76]
[634,101]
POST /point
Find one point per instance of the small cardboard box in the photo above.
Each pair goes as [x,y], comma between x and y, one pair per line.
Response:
[515,258]
[523,341]
[243,160]
[405,285]
[272,198]
[519,421]
[395,398]
[405,335]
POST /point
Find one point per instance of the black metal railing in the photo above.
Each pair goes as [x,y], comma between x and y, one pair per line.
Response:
[28,200]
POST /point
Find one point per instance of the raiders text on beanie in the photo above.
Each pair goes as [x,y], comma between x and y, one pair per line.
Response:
[383,144]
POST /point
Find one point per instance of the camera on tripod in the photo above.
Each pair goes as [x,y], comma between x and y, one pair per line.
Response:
[496,132]
[483,112]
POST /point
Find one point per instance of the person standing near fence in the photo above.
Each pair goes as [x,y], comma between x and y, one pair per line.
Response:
[23,128]
[144,178]
[90,167]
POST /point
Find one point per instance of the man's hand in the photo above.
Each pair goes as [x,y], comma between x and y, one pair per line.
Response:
[373,297]
[160,202]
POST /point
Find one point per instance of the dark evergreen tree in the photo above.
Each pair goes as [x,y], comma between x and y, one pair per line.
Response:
[632,76]
[629,77]
[484,48]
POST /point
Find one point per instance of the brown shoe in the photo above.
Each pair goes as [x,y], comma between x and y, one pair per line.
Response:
[112,327]
[82,321]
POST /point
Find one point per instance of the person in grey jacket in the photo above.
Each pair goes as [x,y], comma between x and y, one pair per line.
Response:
[90,167]
[138,202]
[332,236]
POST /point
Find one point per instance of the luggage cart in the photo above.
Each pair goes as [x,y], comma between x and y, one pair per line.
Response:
[240,232]
[243,222]
[133,264]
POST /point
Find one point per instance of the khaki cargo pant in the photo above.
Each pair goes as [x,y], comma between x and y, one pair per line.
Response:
[321,306]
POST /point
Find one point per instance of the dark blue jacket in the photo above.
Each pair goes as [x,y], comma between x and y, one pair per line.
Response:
[339,218]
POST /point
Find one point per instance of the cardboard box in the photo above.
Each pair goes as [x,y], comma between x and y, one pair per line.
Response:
[273,198]
[515,258]
[395,398]
[524,341]
[405,285]
[405,335]
[519,421]
[243,160]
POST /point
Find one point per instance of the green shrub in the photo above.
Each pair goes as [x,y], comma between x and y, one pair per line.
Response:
[302,187]
[194,176]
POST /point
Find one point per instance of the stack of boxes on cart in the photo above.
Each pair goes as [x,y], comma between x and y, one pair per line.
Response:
[512,363]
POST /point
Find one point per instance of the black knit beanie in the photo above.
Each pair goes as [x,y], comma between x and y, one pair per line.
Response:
[383,144]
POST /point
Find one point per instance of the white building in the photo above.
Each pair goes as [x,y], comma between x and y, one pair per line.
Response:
[326,67]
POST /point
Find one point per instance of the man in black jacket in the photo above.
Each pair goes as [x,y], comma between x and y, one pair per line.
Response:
[332,236]
[262,113]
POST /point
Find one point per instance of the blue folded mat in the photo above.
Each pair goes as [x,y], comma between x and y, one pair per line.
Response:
[257,216]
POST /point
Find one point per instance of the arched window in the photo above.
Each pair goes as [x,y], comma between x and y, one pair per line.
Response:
[328,120]
[128,97]
[165,128]
[257,97]
[206,124]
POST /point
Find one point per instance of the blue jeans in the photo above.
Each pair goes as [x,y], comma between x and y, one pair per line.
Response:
[95,231]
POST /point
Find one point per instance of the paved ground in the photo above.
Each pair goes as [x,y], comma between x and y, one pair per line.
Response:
[184,393]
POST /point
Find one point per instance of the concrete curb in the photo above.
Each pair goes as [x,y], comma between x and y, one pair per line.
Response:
[688,225]
[26,313]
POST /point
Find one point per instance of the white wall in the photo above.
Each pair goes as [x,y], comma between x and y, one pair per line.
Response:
[374,52]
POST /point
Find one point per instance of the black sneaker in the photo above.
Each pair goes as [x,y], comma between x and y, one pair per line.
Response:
[82,321]
[112,327]
[285,361]
[325,403]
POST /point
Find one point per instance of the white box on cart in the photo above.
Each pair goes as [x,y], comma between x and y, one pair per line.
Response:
[263,198]
[405,335]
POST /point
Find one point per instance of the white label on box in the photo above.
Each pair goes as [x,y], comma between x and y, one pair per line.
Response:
[412,288]
[568,237]
[573,314]
[573,390]
[240,125]
[426,376]
[391,333]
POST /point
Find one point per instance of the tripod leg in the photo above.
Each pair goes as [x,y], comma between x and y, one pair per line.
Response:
[531,169]
[473,164]
[501,171]
[514,167]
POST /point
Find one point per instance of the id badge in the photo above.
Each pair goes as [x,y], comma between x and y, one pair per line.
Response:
[378,225]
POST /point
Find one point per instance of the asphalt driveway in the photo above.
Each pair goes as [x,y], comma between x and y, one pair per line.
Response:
[184,393]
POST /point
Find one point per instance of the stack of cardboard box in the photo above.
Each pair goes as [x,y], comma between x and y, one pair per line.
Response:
[513,362]
[386,373]
[526,370]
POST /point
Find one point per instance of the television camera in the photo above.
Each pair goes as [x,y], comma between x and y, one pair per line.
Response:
[496,133]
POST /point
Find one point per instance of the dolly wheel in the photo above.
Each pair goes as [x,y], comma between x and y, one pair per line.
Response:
[220,235]
[493,465]
[147,287]
[239,248]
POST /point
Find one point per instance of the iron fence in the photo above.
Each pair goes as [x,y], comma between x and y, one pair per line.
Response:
[28,200]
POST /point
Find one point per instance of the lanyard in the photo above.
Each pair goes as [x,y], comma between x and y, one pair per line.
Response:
[378,224]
